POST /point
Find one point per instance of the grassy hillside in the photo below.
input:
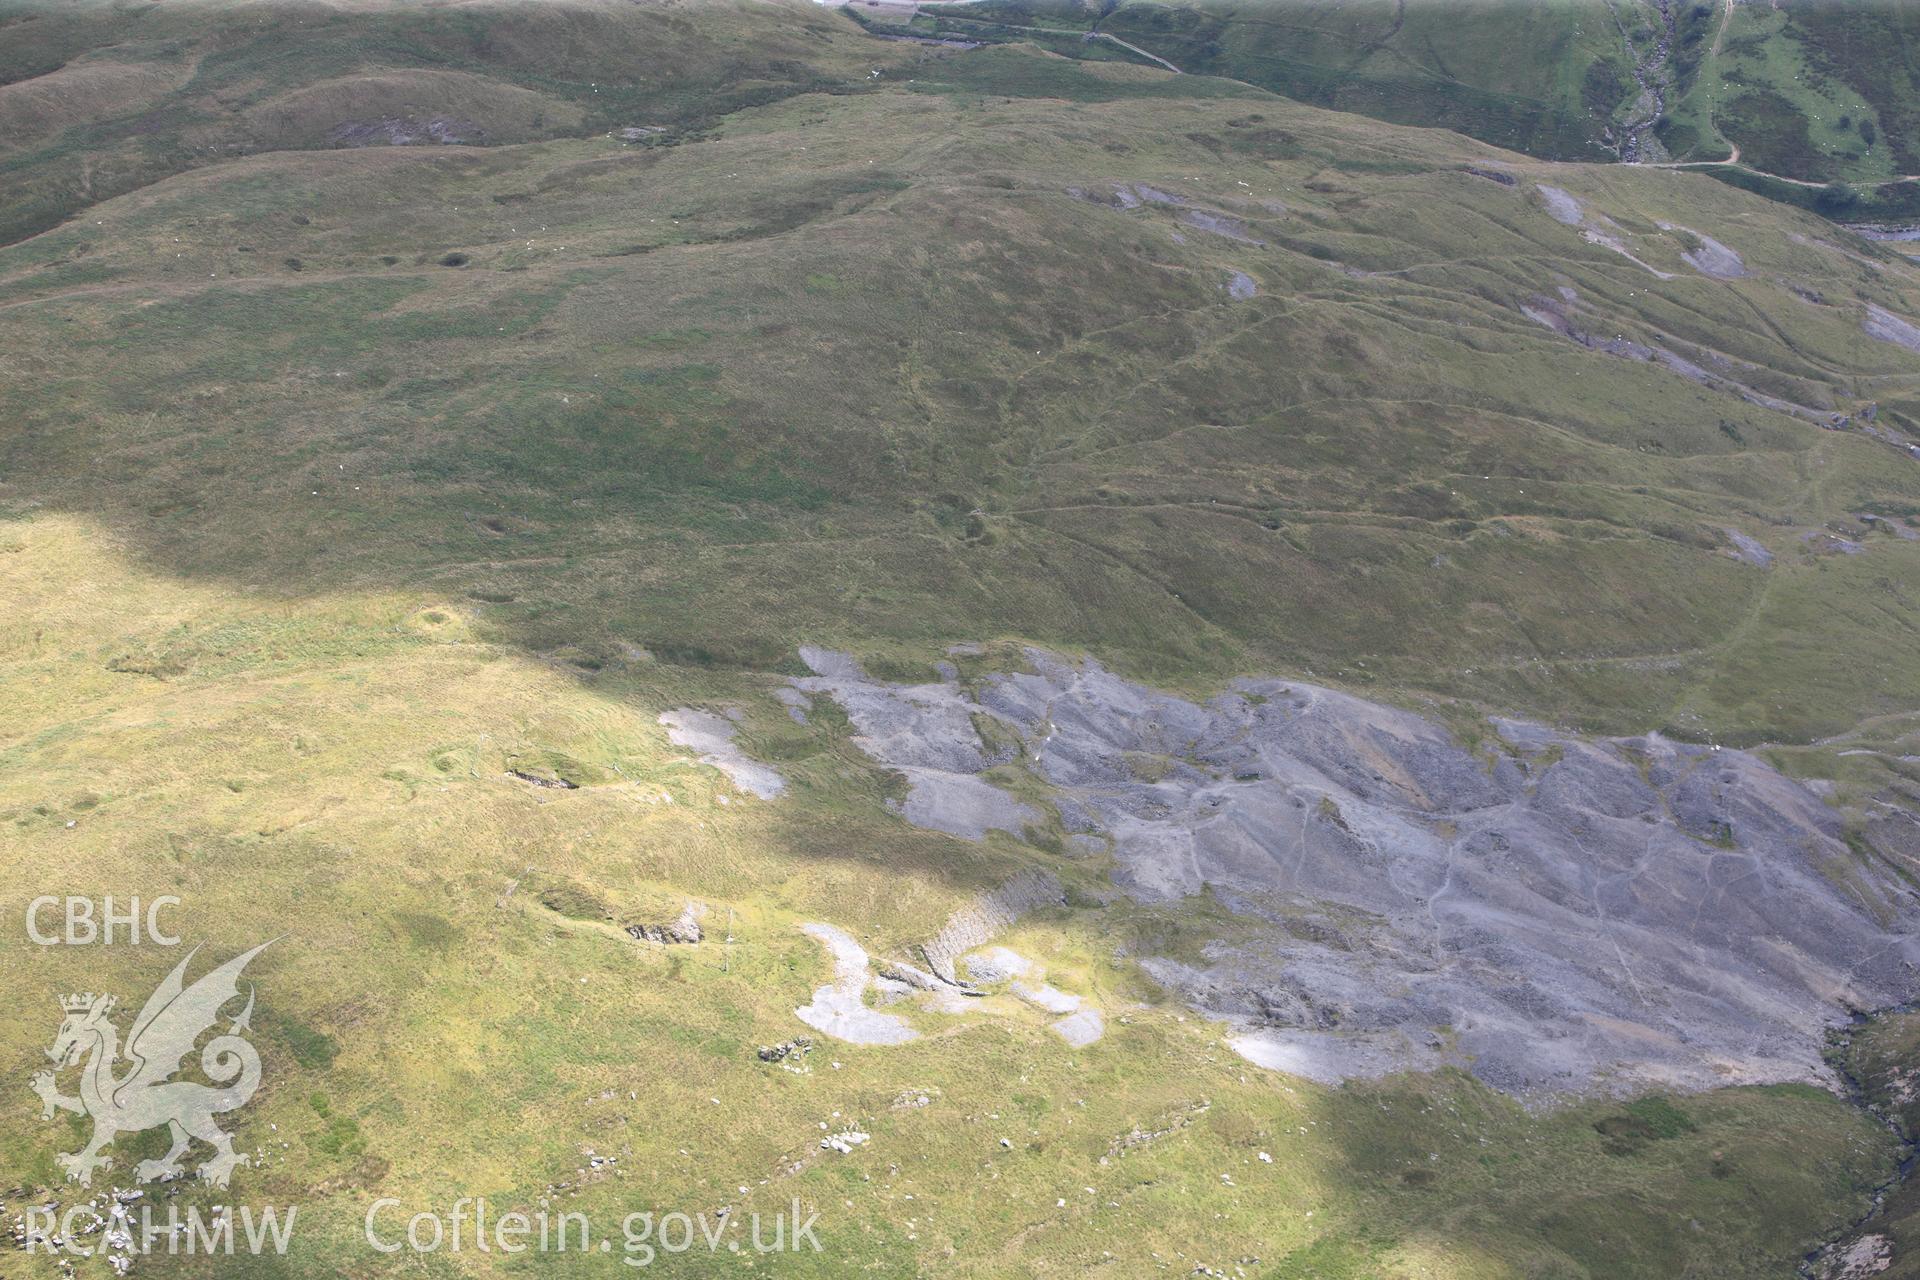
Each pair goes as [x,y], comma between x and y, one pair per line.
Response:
[1379,469]
[342,486]
[100,98]
[1807,90]
[1811,91]
[1543,79]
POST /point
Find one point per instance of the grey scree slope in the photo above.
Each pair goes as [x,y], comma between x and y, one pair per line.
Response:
[1607,913]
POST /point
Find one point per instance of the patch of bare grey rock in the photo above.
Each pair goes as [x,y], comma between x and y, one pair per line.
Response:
[1553,913]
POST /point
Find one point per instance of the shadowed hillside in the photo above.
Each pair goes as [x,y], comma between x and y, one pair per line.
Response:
[98,98]
[1440,439]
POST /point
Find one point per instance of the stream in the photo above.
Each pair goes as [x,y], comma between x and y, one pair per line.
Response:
[1856,1092]
[1651,74]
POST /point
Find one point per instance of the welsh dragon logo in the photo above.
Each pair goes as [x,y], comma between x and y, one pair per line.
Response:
[145,1096]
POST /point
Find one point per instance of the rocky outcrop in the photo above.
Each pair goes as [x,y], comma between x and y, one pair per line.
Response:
[798,1047]
[684,930]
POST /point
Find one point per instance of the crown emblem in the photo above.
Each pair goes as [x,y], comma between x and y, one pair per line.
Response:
[173,1021]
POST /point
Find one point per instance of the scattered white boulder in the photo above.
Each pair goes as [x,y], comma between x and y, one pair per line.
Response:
[844,1142]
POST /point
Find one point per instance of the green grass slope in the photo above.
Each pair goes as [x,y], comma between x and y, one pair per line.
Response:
[1546,79]
[1809,91]
[1379,469]
[1817,92]
[100,98]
